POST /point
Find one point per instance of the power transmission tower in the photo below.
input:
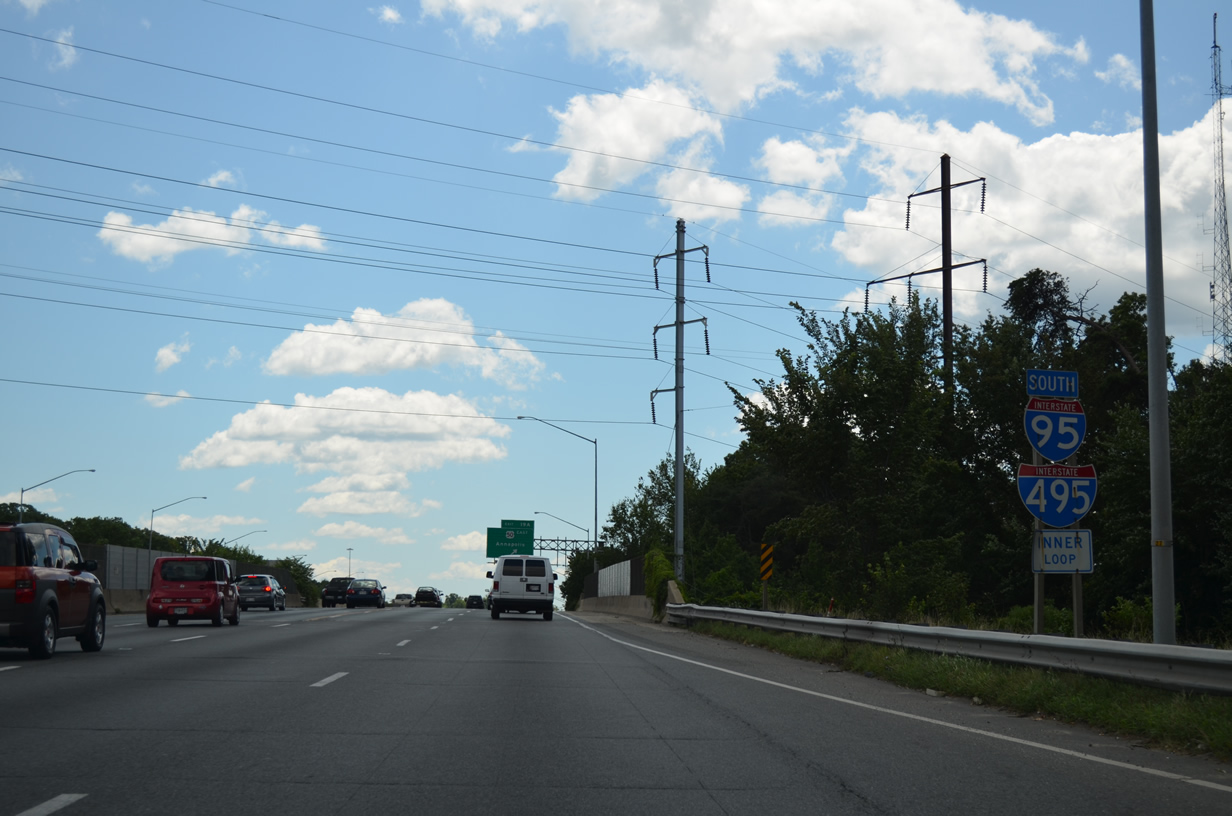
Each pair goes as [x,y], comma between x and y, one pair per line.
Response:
[679,325]
[1221,286]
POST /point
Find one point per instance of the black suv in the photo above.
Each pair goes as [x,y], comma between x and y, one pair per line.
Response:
[335,591]
[47,590]
[261,590]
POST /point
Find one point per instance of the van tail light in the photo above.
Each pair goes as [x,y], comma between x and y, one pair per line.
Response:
[25,590]
[496,586]
[551,588]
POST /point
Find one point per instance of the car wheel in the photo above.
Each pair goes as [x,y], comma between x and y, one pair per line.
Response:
[273,606]
[495,613]
[218,616]
[173,621]
[547,616]
[244,608]
[234,620]
[283,606]
[96,630]
[45,644]
[151,621]
[350,605]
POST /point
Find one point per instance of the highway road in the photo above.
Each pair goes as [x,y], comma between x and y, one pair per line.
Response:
[333,711]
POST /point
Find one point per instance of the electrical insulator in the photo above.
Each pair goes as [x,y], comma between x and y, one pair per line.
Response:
[865,300]
[656,271]
[985,277]
[653,421]
[656,346]
[908,217]
[707,267]
[706,334]
[908,291]
[983,193]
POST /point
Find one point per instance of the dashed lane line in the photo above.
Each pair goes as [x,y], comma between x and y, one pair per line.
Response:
[401,643]
[52,805]
[181,640]
[329,679]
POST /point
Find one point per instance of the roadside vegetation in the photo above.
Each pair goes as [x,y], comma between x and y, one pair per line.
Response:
[887,498]
[1188,723]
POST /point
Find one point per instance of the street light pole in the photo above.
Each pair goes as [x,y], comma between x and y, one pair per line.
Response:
[150,544]
[595,442]
[349,561]
[21,501]
[570,523]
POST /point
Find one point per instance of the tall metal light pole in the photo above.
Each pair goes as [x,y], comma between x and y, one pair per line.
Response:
[595,442]
[150,544]
[245,535]
[349,561]
[570,523]
[21,501]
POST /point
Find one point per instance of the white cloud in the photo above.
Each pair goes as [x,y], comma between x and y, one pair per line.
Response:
[162,400]
[246,485]
[233,356]
[142,189]
[66,55]
[1030,221]
[301,546]
[368,437]
[381,570]
[461,569]
[387,15]
[685,190]
[467,542]
[1121,71]
[353,530]
[187,229]
[735,52]
[221,178]
[627,127]
[10,173]
[424,334]
[32,6]
[169,355]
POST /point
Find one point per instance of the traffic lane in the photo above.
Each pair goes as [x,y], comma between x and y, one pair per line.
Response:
[559,698]
[946,753]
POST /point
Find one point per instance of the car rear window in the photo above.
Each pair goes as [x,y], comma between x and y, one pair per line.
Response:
[258,580]
[9,550]
[188,571]
[339,582]
[536,568]
[363,584]
[512,567]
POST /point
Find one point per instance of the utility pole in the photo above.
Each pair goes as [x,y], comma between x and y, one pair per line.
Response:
[679,325]
[946,269]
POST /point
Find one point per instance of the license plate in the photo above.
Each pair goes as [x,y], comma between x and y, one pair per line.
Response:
[180,610]
[532,588]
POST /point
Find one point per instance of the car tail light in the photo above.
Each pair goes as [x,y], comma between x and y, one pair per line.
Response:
[350,592]
[25,591]
[495,586]
[268,589]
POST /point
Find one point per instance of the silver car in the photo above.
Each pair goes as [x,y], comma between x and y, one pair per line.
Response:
[261,590]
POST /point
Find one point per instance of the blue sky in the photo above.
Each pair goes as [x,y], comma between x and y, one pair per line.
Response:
[312,260]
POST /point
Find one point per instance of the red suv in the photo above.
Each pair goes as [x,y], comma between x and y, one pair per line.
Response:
[192,587]
[47,590]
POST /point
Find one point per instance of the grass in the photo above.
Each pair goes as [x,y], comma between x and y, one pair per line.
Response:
[1174,721]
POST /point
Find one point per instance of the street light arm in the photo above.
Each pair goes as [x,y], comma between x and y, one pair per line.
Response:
[150,543]
[21,499]
[558,518]
[566,430]
[594,442]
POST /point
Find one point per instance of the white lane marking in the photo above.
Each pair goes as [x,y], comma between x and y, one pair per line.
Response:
[449,620]
[10,668]
[436,627]
[122,625]
[279,625]
[329,679]
[1017,741]
[181,640]
[52,805]
[401,643]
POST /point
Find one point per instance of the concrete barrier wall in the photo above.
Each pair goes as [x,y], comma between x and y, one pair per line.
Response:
[633,606]
[614,580]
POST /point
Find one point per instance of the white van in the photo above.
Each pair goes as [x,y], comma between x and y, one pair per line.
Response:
[522,583]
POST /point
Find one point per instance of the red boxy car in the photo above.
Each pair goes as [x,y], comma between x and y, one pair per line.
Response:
[47,590]
[192,587]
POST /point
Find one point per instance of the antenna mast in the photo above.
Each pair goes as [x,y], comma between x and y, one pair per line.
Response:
[1221,286]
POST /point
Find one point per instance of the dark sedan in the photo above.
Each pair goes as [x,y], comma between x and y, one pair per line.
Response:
[474,602]
[365,592]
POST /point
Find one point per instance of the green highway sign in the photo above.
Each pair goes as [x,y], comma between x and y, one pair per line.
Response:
[513,537]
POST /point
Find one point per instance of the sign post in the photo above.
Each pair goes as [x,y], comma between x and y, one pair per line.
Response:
[1058,495]
[767,569]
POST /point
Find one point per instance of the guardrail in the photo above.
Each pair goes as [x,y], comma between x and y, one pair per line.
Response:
[1188,668]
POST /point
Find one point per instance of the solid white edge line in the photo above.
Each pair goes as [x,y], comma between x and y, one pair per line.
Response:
[942,723]
[329,679]
[181,640]
[279,625]
[9,668]
[52,805]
